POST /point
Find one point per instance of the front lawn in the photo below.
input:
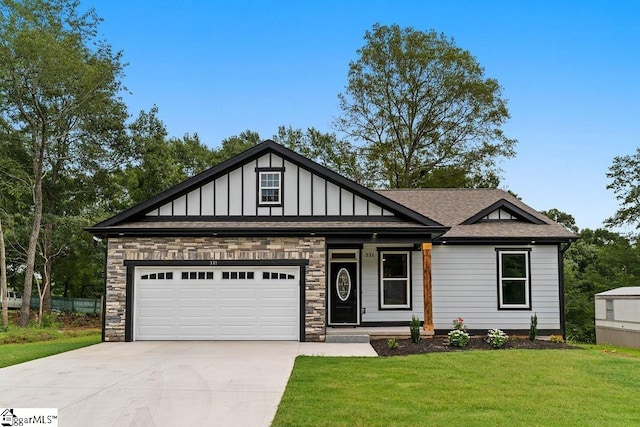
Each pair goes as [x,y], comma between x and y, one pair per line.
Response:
[501,387]
[12,354]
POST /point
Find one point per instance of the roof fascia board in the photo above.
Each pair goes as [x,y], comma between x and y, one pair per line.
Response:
[255,152]
[503,204]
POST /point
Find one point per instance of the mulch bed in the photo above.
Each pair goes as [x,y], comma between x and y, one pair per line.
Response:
[440,344]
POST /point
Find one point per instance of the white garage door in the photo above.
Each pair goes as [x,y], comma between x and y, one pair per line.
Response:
[216,303]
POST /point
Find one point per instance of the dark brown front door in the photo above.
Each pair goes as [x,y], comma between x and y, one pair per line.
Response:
[343,293]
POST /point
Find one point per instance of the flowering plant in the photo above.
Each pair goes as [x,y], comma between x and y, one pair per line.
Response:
[496,338]
[458,324]
[458,337]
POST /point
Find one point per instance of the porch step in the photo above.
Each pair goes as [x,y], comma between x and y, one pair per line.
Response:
[347,338]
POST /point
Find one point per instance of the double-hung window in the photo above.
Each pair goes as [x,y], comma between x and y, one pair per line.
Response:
[395,281]
[514,281]
[270,188]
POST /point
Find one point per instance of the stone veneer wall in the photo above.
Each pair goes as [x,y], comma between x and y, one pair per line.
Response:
[215,248]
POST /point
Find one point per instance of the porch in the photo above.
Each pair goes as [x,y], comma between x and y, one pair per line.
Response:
[359,334]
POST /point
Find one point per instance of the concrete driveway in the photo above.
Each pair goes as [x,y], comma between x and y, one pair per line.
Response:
[162,383]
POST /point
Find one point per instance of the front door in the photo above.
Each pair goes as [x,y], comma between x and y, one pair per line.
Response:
[343,293]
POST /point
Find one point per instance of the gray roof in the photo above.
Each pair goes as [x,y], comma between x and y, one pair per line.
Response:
[452,207]
[624,291]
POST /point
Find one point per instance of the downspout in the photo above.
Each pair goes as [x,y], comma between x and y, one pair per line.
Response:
[561,251]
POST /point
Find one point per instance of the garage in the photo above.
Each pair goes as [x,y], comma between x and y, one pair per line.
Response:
[216,303]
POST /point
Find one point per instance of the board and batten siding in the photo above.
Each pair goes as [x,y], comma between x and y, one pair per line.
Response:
[465,284]
[371,287]
[235,194]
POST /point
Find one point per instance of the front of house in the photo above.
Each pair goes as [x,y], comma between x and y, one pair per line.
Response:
[269,245]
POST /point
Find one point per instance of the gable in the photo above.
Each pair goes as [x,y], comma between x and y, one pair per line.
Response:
[303,192]
[232,191]
[503,210]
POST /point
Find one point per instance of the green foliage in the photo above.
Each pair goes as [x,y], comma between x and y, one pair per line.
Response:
[458,337]
[423,112]
[12,354]
[414,329]
[625,183]
[392,343]
[533,327]
[600,260]
[556,339]
[474,388]
[497,338]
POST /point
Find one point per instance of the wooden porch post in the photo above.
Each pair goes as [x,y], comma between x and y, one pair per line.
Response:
[426,287]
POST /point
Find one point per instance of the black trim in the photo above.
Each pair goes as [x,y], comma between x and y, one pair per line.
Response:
[499,251]
[128,317]
[384,234]
[303,303]
[342,246]
[507,206]
[259,202]
[104,290]
[409,279]
[265,219]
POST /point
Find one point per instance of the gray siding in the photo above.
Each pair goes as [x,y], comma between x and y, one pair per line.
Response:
[371,288]
[465,284]
[304,194]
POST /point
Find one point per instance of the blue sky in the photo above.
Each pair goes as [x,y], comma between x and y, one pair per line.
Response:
[570,71]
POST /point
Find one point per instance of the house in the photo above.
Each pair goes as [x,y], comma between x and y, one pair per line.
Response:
[618,317]
[270,245]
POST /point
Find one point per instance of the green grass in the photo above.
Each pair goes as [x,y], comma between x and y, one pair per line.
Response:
[12,354]
[475,388]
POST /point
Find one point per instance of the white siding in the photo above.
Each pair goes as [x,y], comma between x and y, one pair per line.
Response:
[222,193]
[304,194]
[319,205]
[290,182]
[250,195]
[207,198]
[180,206]
[235,192]
[465,284]
[333,199]
[193,203]
[371,288]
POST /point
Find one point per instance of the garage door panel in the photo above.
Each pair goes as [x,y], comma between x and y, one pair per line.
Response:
[181,308]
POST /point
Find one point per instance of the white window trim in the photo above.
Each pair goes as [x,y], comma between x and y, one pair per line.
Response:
[526,280]
[261,187]
[407,279]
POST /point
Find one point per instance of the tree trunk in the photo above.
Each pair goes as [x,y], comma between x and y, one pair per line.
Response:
[38,163]
[47,247]
[3,280]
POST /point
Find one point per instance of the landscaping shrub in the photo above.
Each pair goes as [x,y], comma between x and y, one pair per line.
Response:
[414,328]
[458,337]
[533,328]
[392,343]
[496,338]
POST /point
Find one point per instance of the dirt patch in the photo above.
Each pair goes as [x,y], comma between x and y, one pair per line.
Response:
[440,344]
[63,320]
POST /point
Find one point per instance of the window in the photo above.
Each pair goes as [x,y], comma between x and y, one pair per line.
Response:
[513,279]
[395,289]
[609,314]
[270,184]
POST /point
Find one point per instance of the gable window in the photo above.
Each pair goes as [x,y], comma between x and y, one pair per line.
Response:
[395,282]
[270,187]
[514,281]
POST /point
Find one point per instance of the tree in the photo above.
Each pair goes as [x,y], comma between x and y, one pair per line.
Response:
[57,84]
[562,218]
[625,183]
[418,104]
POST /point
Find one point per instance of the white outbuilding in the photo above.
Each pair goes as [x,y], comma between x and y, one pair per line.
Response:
[618,317]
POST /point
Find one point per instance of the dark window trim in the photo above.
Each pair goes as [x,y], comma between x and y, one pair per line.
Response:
[409,279]
[527,252]
[259,202]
